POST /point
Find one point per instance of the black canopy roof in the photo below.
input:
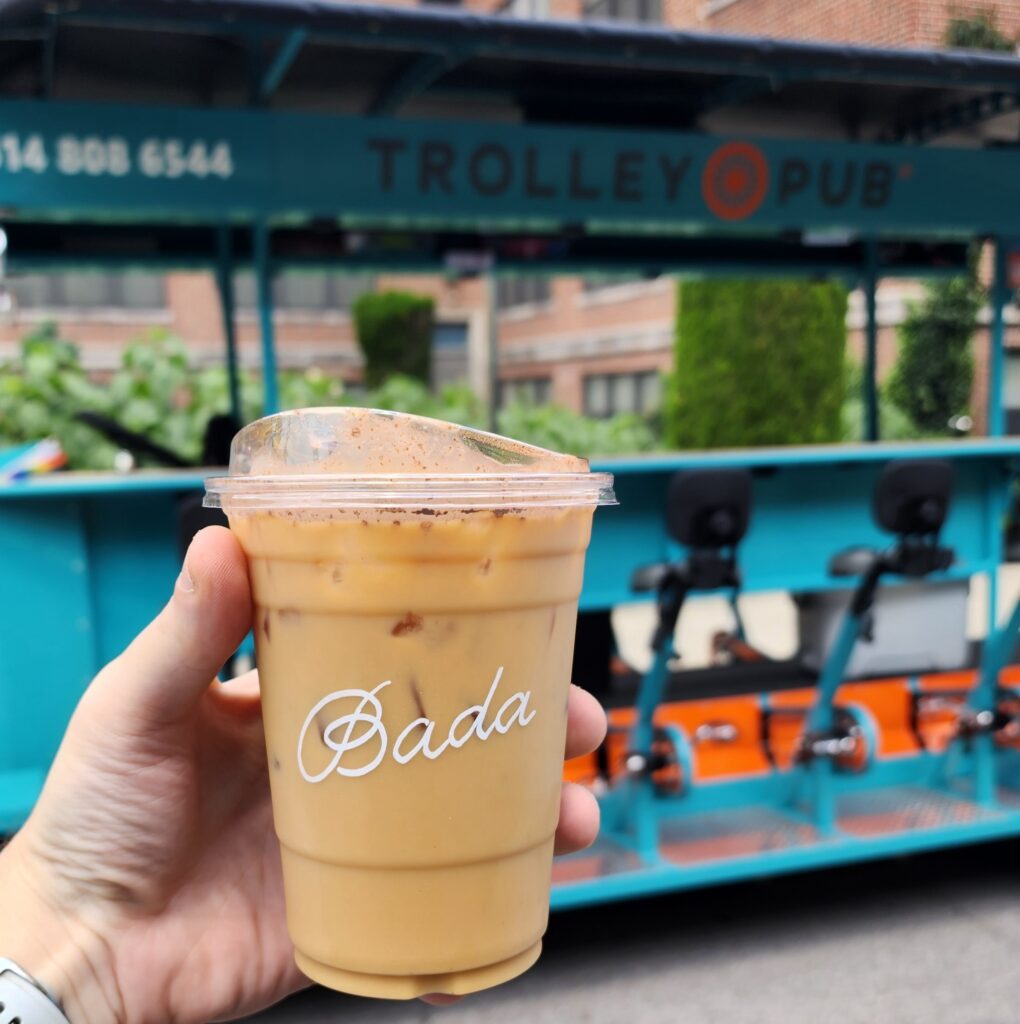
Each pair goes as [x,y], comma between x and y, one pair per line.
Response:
[365,59]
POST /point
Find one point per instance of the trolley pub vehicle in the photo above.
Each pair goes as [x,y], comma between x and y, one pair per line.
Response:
[275,135]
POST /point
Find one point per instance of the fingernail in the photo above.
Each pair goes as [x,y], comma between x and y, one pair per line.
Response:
[184,580]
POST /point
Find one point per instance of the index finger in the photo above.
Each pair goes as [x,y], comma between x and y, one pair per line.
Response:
[586,723]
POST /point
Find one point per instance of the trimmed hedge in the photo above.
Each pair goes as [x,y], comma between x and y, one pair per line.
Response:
[757,363]
[394,332]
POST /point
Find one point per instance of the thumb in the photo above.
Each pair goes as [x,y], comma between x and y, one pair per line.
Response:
[171,663]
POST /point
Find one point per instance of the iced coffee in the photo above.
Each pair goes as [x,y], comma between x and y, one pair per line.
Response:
[416,591]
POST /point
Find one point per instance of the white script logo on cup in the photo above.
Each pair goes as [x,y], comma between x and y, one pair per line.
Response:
[351,708]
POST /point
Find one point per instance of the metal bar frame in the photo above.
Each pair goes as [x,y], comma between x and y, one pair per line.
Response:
[957,116]
[264,280]
[492,329]
[740,89]
[827,850]
[280,64]
[418,76]
[997,342]
[225,284]
[872,427]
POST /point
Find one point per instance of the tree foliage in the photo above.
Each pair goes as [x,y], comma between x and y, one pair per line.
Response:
[976,31]
[932,379]
[757,363]
[394,332]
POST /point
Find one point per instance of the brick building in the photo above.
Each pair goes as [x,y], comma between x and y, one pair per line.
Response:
[592,344]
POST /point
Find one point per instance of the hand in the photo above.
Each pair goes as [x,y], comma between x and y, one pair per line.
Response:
[146,886]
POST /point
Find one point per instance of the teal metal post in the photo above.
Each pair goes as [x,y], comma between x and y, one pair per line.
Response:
[997,341]
[264,278]
[493,325]
[871,424]
[225,282]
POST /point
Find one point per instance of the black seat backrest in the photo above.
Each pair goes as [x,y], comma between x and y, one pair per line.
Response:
[219,432]
[192,517]
[709,508]
[912,496]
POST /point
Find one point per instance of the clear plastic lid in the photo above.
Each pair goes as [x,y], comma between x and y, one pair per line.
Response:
[344,458]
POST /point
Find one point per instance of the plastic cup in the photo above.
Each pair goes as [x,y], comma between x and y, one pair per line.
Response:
[416,591]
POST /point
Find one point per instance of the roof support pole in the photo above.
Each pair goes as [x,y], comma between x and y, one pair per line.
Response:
[871,424]
[49,56]
[492,298]
[225,283]
[997,342]
[280,64]
[414,78]
[264,280]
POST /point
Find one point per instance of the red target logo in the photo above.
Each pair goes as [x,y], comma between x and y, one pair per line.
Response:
[735,180]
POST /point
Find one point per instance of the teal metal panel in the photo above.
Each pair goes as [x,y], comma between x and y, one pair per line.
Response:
[47,629]
[203,165]
[81,575]
[19,790]
[133,555]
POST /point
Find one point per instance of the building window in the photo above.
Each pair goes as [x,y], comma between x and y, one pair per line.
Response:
[88,289]
[606,394]
[308,292]
[533,10]
[522,291]
[623,10]
[449,354]
[599,282]
[532,390]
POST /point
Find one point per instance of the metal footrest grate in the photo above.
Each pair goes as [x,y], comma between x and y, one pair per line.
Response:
[740,832]
[602,860]
[903,809]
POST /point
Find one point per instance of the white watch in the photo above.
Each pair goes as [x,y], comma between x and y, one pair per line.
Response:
[24,1000]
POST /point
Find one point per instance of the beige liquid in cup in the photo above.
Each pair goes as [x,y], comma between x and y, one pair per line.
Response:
[414,665]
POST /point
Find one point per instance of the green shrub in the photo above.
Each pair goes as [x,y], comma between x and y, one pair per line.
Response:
[978,31]
[42,389]
[154,392]
[932,378]
[562,430]
[394,332]
[757,363]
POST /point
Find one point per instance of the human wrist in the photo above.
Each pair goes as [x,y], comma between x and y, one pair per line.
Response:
[71,961]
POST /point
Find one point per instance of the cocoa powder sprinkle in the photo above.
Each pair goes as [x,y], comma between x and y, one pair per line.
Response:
[410,623]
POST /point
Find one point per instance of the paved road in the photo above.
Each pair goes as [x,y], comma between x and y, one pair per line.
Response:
[933,939]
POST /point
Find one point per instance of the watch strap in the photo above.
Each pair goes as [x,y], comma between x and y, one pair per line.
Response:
[24,1000]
